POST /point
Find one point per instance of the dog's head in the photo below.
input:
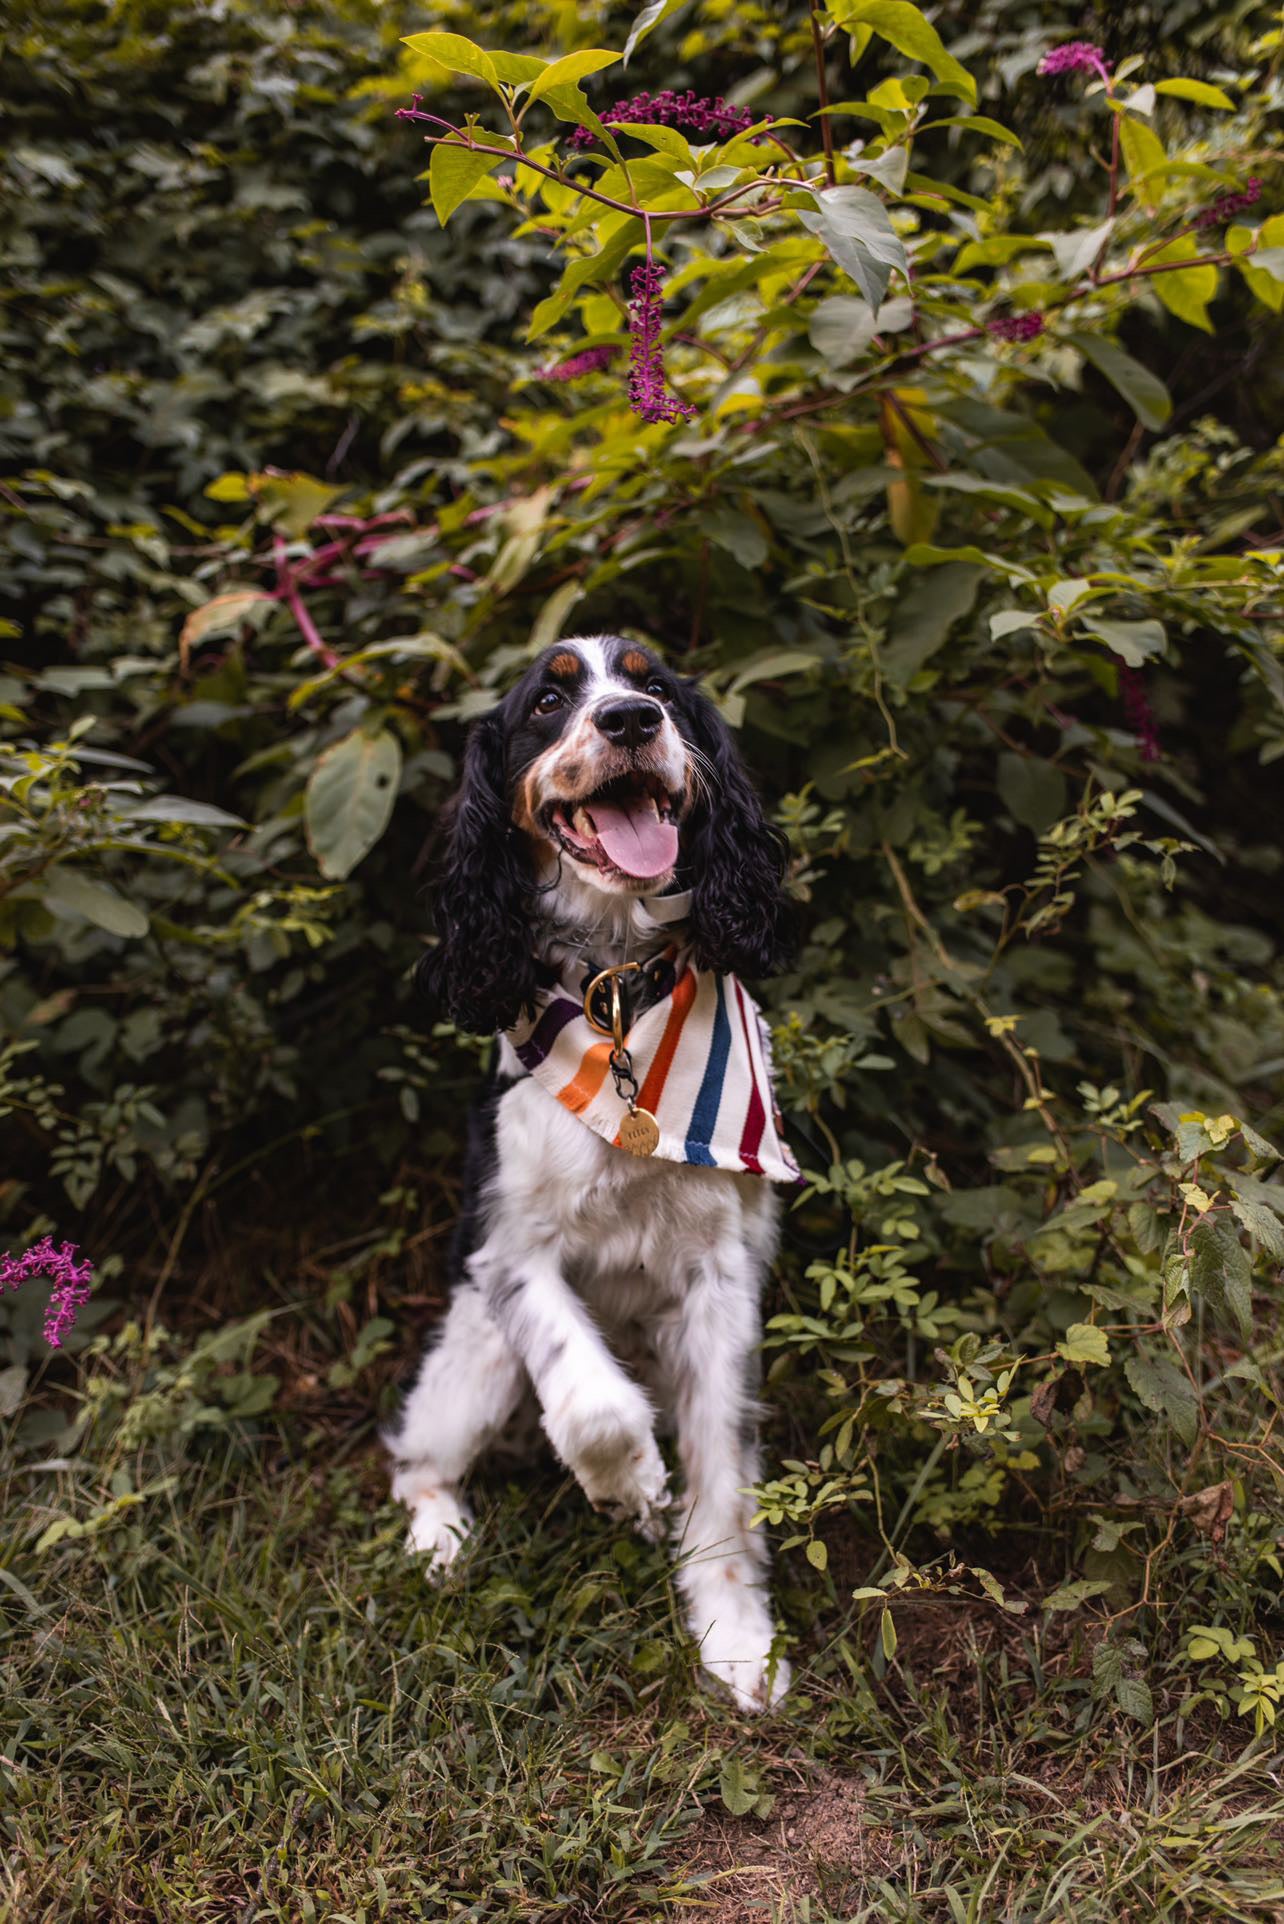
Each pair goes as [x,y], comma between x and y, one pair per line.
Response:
[603,761]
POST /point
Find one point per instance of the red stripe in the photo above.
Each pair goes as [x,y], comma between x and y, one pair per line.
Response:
[657,1074]
[756,1120]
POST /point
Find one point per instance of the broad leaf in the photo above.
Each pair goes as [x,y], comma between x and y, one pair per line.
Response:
[1165,1390]
[854,225]
[1144,392]
[68,891]
[349,799]
[456,54]
[1221,1273]
[570,70]
[906,29]
[453,172]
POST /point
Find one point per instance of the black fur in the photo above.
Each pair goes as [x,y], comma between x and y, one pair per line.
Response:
[733,858]
[482,972]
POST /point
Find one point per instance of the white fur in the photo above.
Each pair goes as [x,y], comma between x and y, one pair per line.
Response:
[621,1292]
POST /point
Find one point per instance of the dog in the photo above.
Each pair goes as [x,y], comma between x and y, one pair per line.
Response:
[609,876]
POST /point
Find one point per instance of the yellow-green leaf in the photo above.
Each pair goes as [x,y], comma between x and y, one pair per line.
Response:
[453,172]
[906,29]
[457,55]
[1196,90]
[571,69]
[349,799]
[1085,1343]
[887,1634]
[1268,287]
[1144,157]
[1187,293]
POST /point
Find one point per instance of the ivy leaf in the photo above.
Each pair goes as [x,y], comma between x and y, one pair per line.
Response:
[67,891]
[1166,1391]
[854,225]
[1144,392]
[349,799]
[1222,1274]
[453,172]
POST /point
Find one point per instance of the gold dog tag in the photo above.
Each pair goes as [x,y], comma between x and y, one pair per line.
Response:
[640,1133]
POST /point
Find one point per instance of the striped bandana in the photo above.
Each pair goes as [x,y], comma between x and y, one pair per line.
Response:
[702,1058]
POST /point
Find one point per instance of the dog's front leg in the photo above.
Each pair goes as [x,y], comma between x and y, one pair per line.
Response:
[722,1566]
[596,1417]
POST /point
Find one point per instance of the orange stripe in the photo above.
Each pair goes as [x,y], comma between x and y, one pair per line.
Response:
[657,1074]
[588,1078]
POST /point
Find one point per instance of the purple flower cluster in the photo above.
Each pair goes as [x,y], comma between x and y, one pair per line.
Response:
[1075,56]
[649,394]
[590,360]
[1141,716]
[1226,206]
[1017,327]
[687,112]
[71,1281]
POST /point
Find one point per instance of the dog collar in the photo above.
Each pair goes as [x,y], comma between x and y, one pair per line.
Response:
[699,1058]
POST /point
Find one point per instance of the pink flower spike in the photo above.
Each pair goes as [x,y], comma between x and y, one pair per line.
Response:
[1017,327]
[72,1281]
[1075,56]
[649,394]
[590,360]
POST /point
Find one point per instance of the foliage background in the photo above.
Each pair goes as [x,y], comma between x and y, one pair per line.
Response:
[1024,1368]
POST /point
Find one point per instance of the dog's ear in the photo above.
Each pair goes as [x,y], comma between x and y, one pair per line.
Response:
[481,974]
[734,858]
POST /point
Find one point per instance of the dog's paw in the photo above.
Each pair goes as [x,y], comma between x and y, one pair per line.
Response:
[735,1651]
[439,1524]
[612,1453]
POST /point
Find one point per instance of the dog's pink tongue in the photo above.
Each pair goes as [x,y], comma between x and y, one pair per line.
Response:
[635,838]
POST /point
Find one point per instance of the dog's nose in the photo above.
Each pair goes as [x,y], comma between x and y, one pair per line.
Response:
[627,724]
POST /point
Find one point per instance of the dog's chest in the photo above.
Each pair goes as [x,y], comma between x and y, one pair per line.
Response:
[625,1228]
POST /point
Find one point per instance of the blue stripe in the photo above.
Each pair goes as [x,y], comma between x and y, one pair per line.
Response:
[705,1113]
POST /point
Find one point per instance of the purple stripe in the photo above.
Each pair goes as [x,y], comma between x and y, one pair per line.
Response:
[546,1031]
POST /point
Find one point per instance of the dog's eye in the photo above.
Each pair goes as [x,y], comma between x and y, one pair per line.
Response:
[656,688]
[549,702]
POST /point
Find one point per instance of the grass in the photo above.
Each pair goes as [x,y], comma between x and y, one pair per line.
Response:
[236,1699]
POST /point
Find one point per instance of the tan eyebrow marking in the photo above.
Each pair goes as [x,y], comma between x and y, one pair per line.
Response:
[566,666]
[635,662]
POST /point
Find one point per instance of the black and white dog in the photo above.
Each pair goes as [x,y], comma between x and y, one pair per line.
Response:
[605,819]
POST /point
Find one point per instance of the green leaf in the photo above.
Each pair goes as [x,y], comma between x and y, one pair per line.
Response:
[457,55]
[817,1555]
[1166,1391]
[1197,90]
[69,892]
[854,226]
[1220,1271]
[1032,790]
[570,70]
[1135,1700]
[180,808]
[1085,1343]
[887,1633]
[582,272]
[1144,392]
[1262,1224]
[906,29]
[841,328]
[738,1795]
[1135,642]
[1071,1596]
[349,799]
[1187,292]
[453,172]
[650,16]
[1145,158]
